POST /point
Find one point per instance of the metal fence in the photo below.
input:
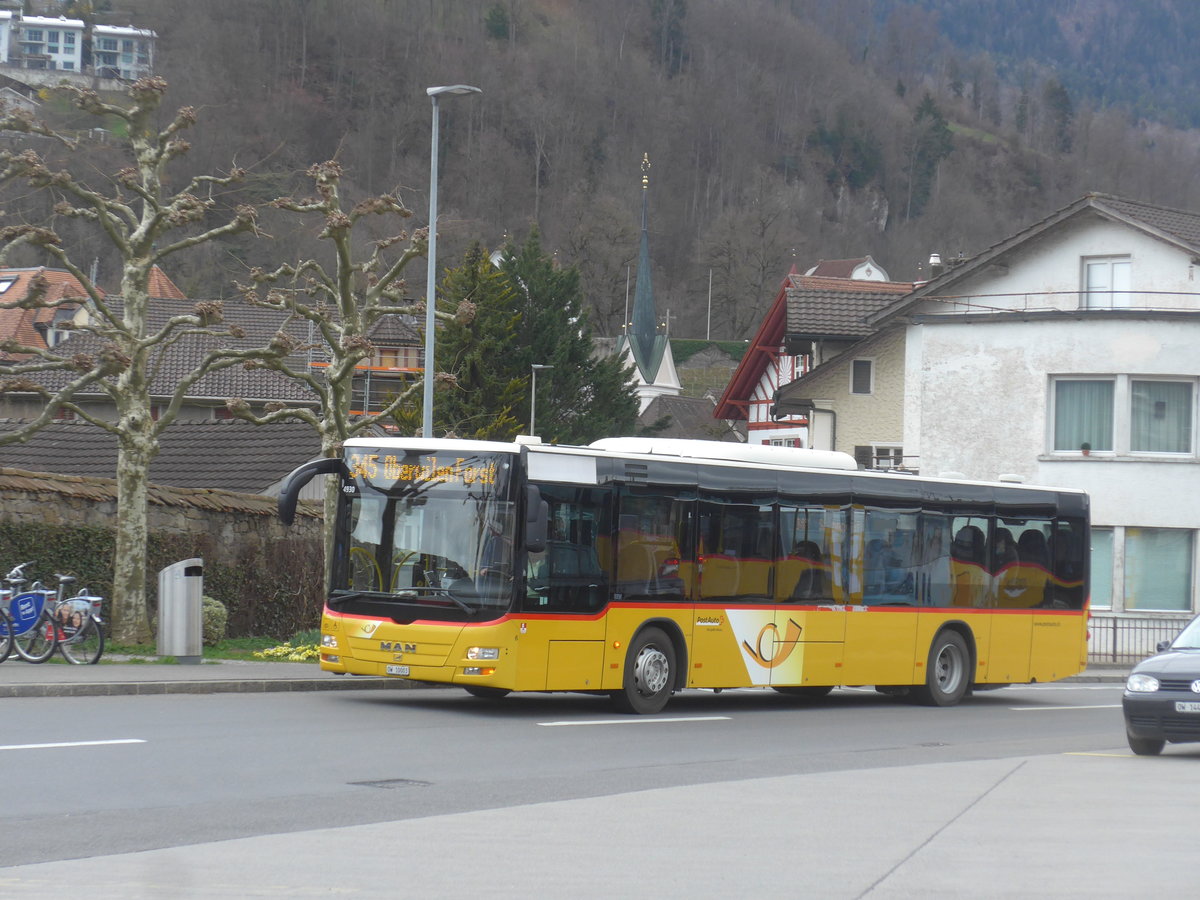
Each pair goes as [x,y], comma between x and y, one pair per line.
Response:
[1128,639]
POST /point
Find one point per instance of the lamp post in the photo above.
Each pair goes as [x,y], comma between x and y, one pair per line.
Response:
[431,269]
[533,396]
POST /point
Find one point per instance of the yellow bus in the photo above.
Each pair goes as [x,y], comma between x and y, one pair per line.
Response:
[638,567]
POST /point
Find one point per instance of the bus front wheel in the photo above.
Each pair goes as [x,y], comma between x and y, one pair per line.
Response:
[649,673]
[947,671]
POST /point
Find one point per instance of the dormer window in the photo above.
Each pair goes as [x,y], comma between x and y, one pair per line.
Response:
[1106,281]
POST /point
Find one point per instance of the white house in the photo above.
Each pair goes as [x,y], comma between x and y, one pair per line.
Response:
[801,348]
[42,42]
[1066,355]
[122,51]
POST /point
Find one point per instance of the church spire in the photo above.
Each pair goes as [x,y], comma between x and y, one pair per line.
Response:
[647,350]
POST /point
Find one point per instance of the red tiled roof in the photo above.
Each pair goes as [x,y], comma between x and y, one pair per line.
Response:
[19,324]
[162,287]
[837,268]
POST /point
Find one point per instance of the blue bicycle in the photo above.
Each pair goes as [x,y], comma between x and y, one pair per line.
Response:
[41,620]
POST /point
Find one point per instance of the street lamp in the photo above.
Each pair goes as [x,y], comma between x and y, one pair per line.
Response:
[533,395]
[431,270]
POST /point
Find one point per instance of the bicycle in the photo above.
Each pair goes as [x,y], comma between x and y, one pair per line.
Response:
[77,625]
[31,636]
[44,620]
[6,634]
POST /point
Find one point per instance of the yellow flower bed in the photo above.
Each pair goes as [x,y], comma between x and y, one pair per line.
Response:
[288,653]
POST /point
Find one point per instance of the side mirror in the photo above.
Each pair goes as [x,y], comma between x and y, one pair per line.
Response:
[1163,646]
[289,492]
[537,517]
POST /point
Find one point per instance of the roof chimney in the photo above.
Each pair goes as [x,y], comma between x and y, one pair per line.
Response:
[935,265]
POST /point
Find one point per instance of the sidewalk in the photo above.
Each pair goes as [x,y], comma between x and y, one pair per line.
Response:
[55,679]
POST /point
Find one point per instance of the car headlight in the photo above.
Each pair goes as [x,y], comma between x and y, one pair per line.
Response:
[1141,684]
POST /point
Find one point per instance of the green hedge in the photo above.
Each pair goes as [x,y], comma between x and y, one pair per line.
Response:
[273,592]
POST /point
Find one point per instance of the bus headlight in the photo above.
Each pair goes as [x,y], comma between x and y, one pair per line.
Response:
[328,640]
[478,670]
[483,653]
[1141,684]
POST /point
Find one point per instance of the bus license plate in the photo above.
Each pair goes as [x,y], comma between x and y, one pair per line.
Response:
[1188,706]
[403,670]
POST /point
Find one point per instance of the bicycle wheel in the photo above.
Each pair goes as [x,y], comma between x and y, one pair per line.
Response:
[37,644]
[6,634]
[84,647]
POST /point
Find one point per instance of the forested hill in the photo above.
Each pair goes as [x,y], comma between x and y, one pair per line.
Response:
[778,132]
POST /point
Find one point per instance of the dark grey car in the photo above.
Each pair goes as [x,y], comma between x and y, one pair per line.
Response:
[1162,695]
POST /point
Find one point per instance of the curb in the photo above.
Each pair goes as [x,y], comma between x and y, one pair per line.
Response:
[248,686]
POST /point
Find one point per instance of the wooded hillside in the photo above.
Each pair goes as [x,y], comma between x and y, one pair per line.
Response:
[777,132]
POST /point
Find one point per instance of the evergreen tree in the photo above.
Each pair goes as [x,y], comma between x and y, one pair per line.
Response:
[582,398]
[527,311]
[932,142]
[489,385]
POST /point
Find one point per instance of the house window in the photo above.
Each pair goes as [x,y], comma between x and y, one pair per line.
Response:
[6,284]
[33,35]
[67,64]
[1106,282]
[1160,416]
[1158,569]
[69,39]
[1083,415]
[108,43]
[879,456]
[1102,568]
[862,373]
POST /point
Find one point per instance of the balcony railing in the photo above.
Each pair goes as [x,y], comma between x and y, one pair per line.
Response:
[1128,639]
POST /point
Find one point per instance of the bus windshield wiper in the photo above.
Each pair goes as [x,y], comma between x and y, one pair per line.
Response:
[338,597]
[414,593]
[342,596]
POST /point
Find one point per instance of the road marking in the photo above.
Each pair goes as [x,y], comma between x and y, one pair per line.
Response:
[1083,753]
[634,720]
[1056,708]
[71,744]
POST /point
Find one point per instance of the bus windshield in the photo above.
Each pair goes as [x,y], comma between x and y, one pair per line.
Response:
[428,530]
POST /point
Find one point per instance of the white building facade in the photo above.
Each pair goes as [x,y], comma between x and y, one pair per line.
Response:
[1068,356]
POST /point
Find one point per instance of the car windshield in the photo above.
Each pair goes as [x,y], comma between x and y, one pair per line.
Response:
[431,532]
[1189,638]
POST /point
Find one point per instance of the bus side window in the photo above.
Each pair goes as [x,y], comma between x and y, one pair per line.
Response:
[968,562]
[890,558]
[572,573]
[935,582]
[648,552]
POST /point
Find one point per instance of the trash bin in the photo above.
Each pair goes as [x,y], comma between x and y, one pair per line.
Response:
[180,620]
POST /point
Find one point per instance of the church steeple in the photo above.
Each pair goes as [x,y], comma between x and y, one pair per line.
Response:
[651,351]
[643,336]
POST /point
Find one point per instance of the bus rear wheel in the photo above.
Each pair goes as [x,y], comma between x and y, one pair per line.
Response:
[649,673]
[947,671]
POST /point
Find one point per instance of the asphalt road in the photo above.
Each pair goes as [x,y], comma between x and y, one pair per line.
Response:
[1021,792]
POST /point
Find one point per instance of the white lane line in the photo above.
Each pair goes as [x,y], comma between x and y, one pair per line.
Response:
[71,744]
[1056,708]
[635,720]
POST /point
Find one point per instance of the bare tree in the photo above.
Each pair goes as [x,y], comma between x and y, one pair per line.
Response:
[342,303]
[144,224]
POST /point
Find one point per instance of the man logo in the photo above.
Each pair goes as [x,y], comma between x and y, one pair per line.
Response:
[397,647]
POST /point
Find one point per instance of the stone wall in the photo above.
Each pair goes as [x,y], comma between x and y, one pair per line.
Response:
[267,574]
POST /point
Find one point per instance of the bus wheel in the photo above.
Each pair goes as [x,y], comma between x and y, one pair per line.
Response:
[649,673]
[947,671]
[486,693]
[808,693]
